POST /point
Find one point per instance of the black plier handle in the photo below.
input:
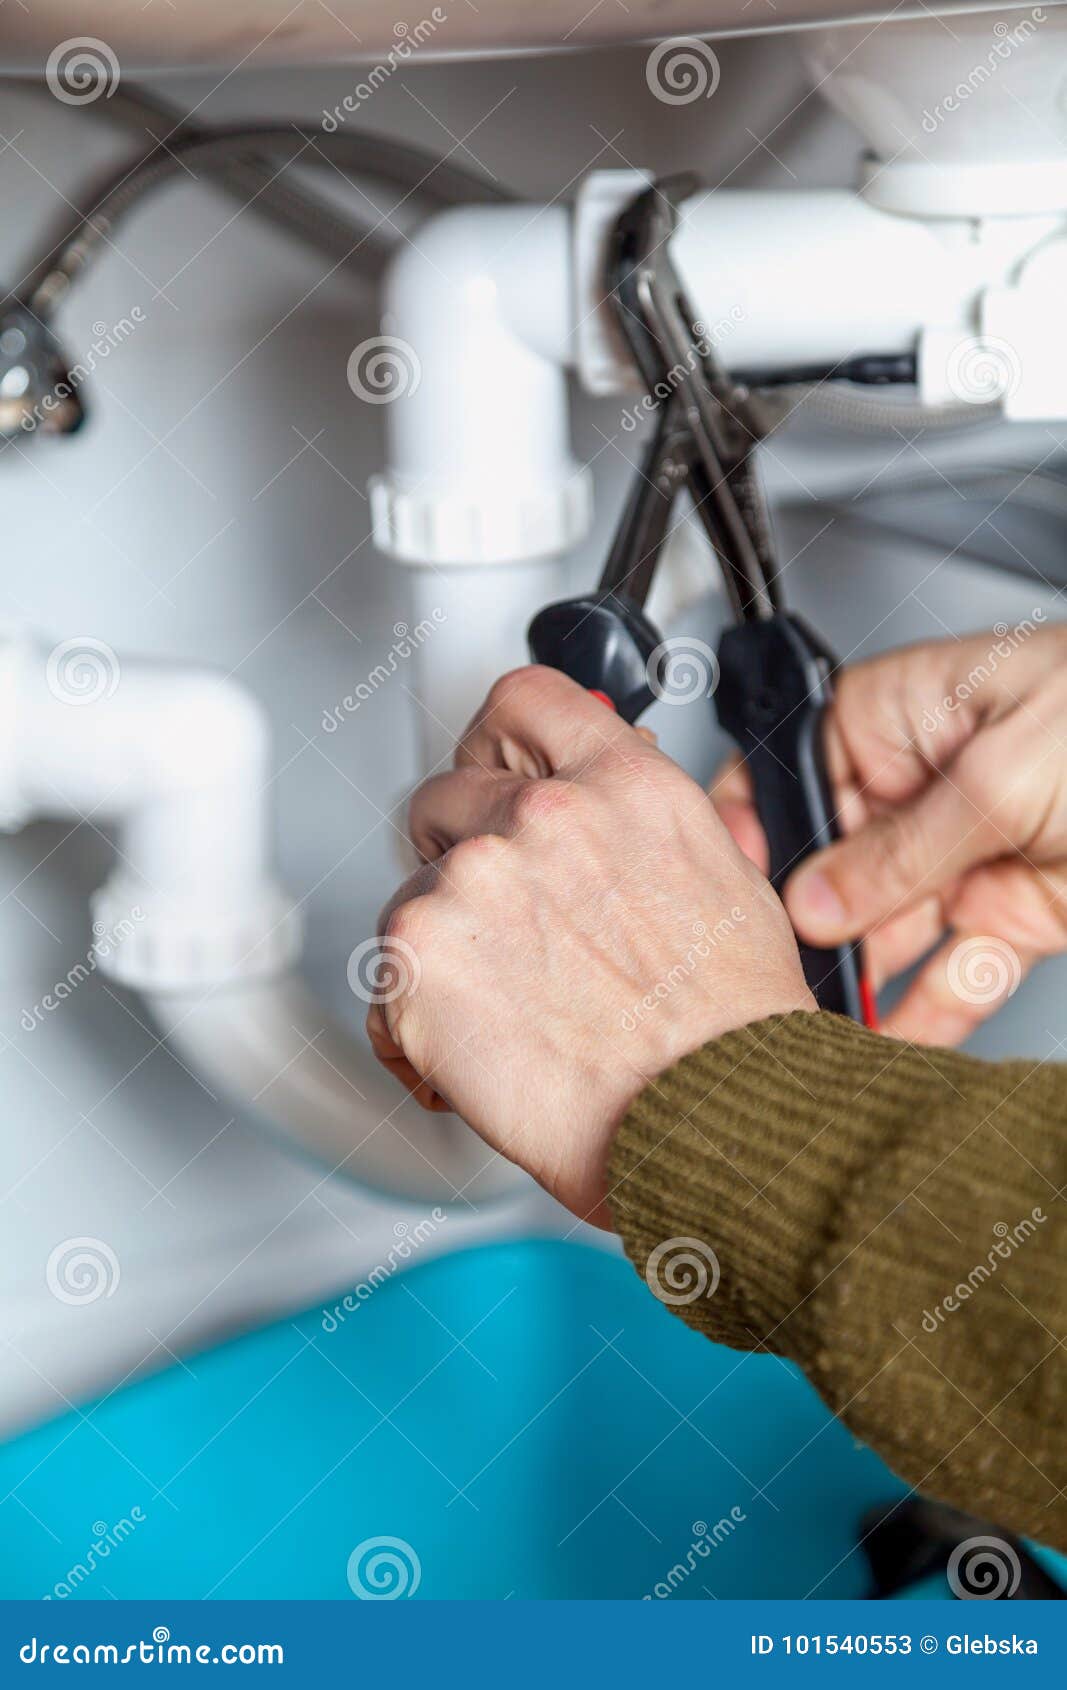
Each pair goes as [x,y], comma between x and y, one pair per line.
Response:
[773,693]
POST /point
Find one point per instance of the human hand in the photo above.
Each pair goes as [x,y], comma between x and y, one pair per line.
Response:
[582,921]
[949,766]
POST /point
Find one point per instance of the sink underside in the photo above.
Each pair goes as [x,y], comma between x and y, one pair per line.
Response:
[260,33]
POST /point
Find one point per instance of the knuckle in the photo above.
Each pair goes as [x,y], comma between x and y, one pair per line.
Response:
[435,804]
[514,686]
[474,863]
[534,684]
[411,925]
[543,804]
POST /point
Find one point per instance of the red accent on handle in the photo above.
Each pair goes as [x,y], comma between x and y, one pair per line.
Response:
[870,1006]
[603,697]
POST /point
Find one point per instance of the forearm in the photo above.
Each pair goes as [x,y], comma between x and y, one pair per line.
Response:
[848,1185]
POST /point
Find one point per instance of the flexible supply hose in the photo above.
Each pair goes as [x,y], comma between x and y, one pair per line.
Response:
[409,168]
[255,183]
[845,408]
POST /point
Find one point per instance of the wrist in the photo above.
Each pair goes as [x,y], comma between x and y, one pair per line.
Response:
[615,1088]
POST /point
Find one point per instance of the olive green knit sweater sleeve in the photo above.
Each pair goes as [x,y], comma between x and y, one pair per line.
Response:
[892,1219]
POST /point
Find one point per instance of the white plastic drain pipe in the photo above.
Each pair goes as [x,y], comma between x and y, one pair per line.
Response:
[270,1045]
[482,491]
[489,308]
[178,763]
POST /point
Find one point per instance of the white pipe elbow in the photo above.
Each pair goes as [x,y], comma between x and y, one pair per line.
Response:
[151,729]
[178,762]
[480,468]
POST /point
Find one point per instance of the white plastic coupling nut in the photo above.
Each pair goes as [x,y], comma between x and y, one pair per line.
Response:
[174,943]
[416,525]
[604,362]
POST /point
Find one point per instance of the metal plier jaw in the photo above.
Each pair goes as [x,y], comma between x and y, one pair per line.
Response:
[708,422]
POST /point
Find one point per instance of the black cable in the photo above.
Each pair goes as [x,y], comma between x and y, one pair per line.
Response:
[868,369]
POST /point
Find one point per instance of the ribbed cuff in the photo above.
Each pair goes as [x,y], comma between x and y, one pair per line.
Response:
[748,1147]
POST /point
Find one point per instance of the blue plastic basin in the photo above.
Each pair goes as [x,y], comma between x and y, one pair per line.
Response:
[522,1420]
